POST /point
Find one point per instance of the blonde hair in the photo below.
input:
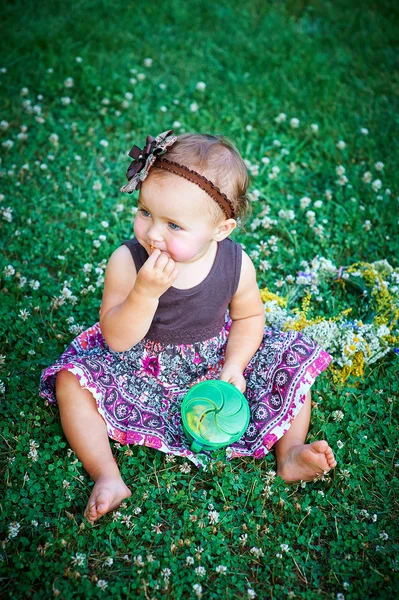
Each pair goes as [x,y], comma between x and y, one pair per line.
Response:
[216,158]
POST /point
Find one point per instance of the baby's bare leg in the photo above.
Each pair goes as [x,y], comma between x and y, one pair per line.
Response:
[86,432]
[297,461]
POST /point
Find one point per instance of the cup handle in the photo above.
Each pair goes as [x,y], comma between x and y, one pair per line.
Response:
[196,446]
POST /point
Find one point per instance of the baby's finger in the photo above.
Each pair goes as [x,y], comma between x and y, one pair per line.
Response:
[162,261]
[170,265]
[151,260]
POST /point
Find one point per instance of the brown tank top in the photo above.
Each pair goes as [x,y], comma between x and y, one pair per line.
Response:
[198,313]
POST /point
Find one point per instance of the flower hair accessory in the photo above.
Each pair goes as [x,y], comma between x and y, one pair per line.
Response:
[150,156]
[145,158]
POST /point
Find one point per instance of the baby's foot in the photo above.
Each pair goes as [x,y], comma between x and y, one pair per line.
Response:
[107,494]
[306,461]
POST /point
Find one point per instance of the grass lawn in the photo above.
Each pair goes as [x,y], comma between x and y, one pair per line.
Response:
[308,91]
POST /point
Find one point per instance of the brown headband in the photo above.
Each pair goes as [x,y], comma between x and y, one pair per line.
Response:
[149,156]
[210,188]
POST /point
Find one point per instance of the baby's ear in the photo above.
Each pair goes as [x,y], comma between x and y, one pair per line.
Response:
[224,229]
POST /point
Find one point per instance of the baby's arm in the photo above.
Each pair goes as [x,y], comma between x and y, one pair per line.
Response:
[247,314]
[130,299]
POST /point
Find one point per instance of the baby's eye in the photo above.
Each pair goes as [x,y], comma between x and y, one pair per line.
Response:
[145,213]
[174,226]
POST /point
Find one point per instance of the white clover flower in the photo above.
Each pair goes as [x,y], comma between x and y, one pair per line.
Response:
[24,314]
[258,552]
[294,123]
[79,559]
[176,124]
[311,217]
[194,107]
[197,589]
[318,204]
[277,143]
[281,118]
[4,125]
[338,415]
[54,139]
[379,166]
[341,145]
[284,547]
[13,529]
[147,62]
[201,571]
[163,109]
[265,160]
[248,128]
[367,225]
[97,185]
[364,131]
[213,517]
[343,180]
[340,596]
[376,185]
[104,143]
[304,202]
[8,271]
[221,569]
[7,144]
[201,86]
[68,83]
[102,584]
[141,76]
[79,59]
[340,444]
[314,127]
[251,593]
[367,176]
[340,170]
[65,100]
[24,91]
[189,560]
[108,561]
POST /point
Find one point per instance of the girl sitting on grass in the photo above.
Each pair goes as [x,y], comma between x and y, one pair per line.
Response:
[181,305]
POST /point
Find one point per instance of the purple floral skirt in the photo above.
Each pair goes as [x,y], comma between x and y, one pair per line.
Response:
[139,392]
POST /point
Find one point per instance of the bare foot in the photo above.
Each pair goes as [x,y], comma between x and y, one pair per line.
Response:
[107,494]
[305,461]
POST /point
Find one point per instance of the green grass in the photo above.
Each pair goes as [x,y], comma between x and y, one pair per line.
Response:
[329,63]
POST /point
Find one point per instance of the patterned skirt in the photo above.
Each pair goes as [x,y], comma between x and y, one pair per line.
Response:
[139,392]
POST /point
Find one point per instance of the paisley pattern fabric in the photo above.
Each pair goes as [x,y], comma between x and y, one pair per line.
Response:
[139,392]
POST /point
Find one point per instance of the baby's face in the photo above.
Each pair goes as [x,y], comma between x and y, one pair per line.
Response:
[172,216]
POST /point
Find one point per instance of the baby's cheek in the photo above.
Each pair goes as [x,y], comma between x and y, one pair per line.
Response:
[138,228]
[180,250]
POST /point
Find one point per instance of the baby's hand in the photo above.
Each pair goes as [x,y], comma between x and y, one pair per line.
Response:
[156,275]
[233,374]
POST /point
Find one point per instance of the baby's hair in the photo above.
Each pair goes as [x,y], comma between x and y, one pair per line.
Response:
[216,158]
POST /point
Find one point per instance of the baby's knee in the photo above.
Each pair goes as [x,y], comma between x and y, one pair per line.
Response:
[63,380]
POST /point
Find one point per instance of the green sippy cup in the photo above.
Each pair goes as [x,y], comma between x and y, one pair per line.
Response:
[214,414]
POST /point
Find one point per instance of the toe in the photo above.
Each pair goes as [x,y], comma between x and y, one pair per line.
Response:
[320,446]
[103,503]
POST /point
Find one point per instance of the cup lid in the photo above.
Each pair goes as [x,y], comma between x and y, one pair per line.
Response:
[215,412]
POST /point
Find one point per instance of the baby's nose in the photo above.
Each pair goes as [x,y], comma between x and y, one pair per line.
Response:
[155,234]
